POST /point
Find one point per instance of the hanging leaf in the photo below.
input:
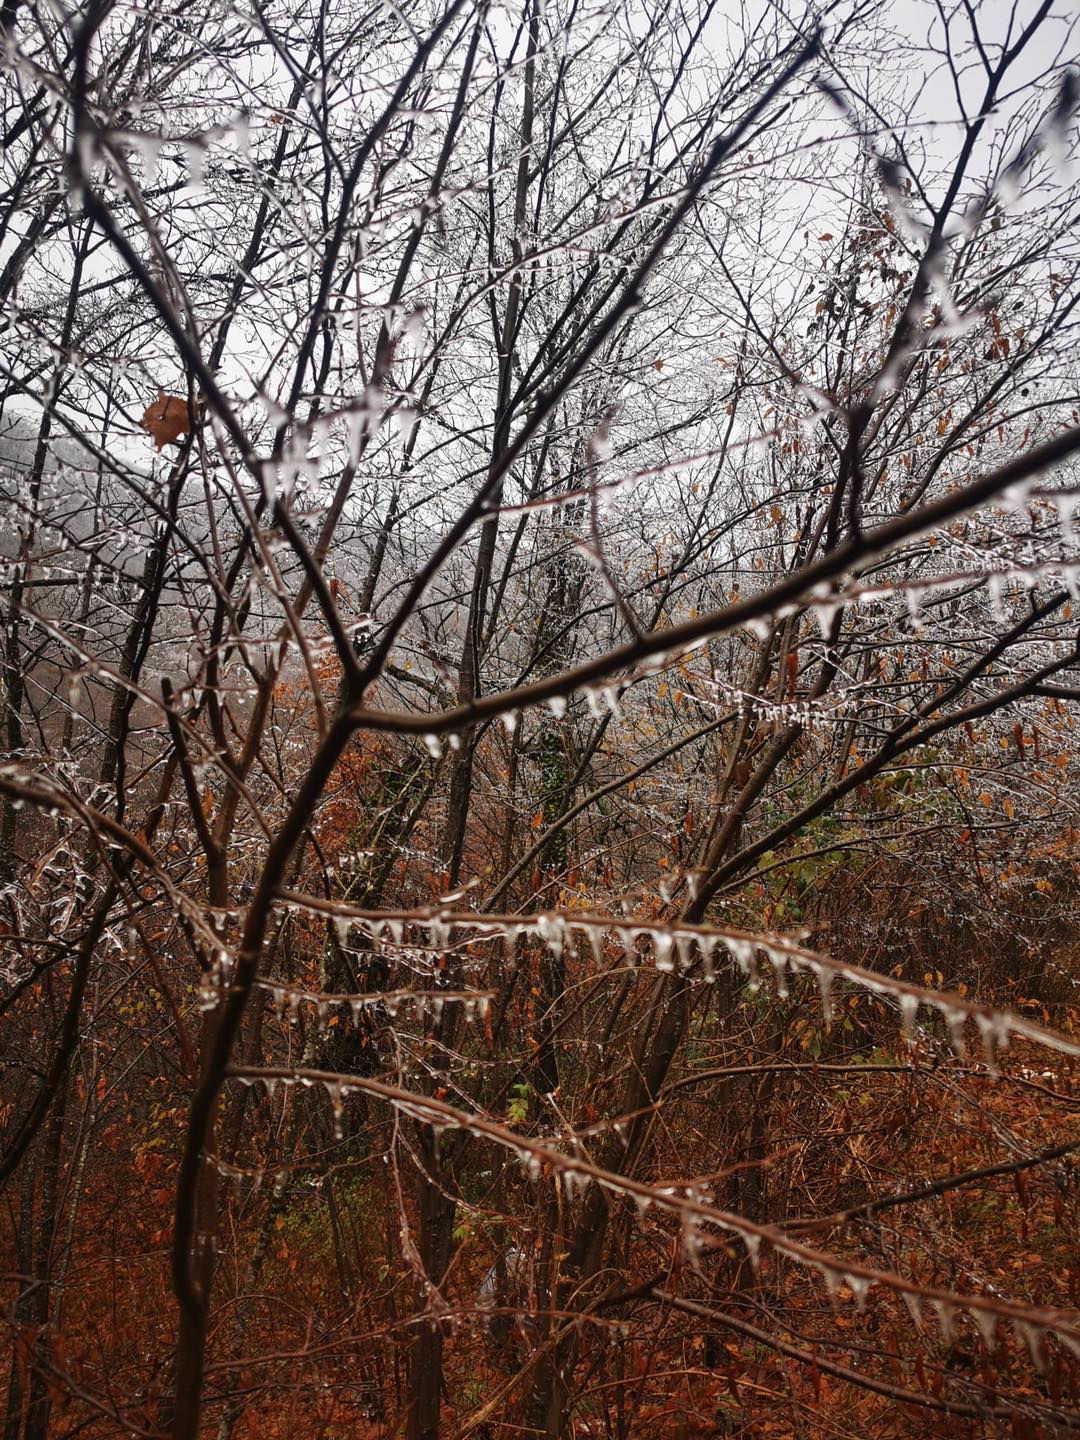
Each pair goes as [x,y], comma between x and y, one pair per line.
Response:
[167,419]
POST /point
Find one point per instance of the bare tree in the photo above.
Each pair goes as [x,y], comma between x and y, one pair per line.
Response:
[513,518]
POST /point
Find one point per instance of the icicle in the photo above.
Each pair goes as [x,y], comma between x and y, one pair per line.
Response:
[322,1010]
[662,948]
[594,702]
[1066,509]
[909,1008]
[707,946]
[690,1239]
[914,608]
[629,939]
[279,1001]
[510,721]
[824,615]
[337,1104]
[955,1021]
[557,706]
[753,1247]
[986,1324]
[824,980]
[1034,1338]
[946,1314]
[779,961]
[832,1282]
[552,930]
[684,946]
[596,942]
[995,585]
[994,1030]
[858,1285]
[913,1308]
[270,1085]
[642,1202]
[744,953]
[434,745]
[573,1182]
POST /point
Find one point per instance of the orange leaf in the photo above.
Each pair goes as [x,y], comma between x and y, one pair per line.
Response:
[167,419]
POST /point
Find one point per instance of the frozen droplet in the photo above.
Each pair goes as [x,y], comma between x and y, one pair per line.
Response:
[557,706]
[434,745]
[510,721]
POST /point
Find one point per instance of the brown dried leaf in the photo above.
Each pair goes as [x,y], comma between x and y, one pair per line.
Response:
[167,419]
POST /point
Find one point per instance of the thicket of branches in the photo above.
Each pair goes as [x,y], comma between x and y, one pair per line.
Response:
[538,812]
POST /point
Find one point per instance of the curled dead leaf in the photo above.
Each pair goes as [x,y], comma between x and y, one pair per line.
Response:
[166,419]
